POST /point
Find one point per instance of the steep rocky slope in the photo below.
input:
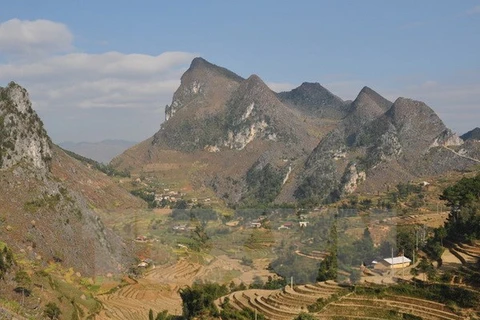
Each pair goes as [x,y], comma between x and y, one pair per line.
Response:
[41,216]
[377,145]
[250,144]
[229,126]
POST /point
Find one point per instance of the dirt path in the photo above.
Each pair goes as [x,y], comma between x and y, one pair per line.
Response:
[461,155]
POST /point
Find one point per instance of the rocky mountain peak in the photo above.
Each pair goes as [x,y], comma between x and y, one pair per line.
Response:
[199,62]
[313,99]
[22,135]
[405,111]
[367,106]
[473,134]
[368,96]
[202,82]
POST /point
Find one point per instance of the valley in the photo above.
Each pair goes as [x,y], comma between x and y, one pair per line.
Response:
[247,203]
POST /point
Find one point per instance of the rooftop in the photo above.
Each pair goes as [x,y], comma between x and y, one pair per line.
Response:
[397,260]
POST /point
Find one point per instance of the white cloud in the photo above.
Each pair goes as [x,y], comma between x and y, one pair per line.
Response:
[110,79]
[31,38]
[474,10]
[71,84]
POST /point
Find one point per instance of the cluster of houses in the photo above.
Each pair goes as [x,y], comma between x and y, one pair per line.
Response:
[257,223]
[169,195]
[182,228]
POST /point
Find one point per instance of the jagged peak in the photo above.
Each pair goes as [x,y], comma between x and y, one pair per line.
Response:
[368,90]
[369,104]
[407,110]
[473,134]
[255,85]
[371,94]
[255,79]
[22,132]
[307,85]
[408,105]
[200,63]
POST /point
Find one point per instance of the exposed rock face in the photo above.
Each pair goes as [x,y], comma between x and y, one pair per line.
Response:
[400,137]
[305,143]
[22,136]
[194,119]
[65,228]
[254,111]
[352,179]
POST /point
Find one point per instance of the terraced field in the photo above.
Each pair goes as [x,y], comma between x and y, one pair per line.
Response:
[158,291]
[465,253]
[285,303]
[366,307]
[288,302]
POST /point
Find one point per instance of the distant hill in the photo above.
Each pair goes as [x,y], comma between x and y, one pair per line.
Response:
[472,134]
[103,151]
[251,145]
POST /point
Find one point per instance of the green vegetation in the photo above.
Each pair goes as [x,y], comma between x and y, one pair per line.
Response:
[304,270]
[147,195]
[264,184]
[161,316]
[198,303]
[6,261]
[305,316]
[198,300]
[52,311]
[323,302]
[230,313]
[329,266]
[105,168]
[316,188]
[464,200]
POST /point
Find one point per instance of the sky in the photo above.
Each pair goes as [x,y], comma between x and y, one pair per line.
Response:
[100,70]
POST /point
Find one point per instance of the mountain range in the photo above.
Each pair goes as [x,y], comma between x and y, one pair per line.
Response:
[251,145]
[103,151]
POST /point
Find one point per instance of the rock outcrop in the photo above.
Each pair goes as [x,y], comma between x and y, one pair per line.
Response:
[45,218]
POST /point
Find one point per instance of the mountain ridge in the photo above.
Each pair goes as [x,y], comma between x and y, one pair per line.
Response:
[44,214]
[309,140]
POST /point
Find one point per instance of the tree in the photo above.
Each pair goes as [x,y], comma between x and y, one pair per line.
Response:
[329,265]
[463,222]
[52,311]
[305,316]
[355,276]
[425,267]
[163,316]
[441,233]
[22,278]
[198,300]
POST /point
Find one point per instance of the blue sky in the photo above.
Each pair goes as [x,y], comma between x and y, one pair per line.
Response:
[105,69]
